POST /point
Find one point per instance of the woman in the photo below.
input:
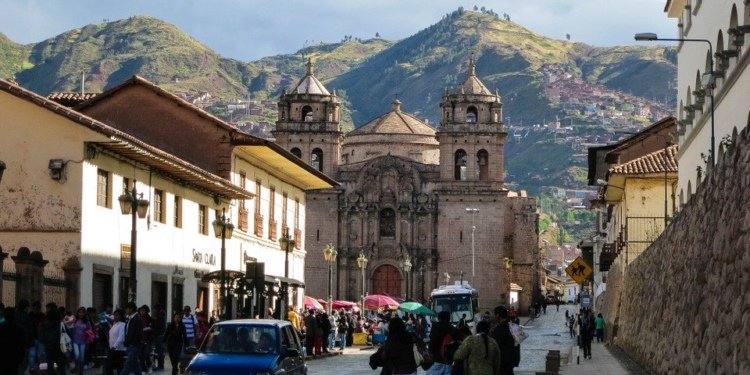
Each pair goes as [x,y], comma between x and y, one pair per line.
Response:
[116,355]
[599,328]
[52,328]
[325,329]
[480,353]
[78,337]
[174,337]
[398,350]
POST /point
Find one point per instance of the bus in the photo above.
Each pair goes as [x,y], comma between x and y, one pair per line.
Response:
[458,299]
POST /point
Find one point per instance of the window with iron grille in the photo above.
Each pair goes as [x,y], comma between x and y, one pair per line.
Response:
[159,206]
[202,219]
[177,211]
[102,188]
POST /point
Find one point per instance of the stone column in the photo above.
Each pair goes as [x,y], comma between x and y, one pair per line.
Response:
[72,270]
[24,265]
[37,276]
[2,263]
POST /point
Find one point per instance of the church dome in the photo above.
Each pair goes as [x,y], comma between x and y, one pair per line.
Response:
[472,85]
[394,122]
[309,84]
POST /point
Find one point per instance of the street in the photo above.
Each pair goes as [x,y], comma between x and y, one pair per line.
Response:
[547,332]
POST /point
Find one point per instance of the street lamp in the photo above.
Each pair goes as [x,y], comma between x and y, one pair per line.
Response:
[707,80]
[407,267]
[330,254]
[287,245]
[131,203]
[362,263]
[223,229]
[2,169]
[472,211]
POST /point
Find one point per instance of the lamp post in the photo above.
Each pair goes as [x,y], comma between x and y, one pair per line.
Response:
[407,267]
[223,229]
[131,204]
[286,244]
[472,211]
[362,263]
[508,267]
[707,81]
[330,254]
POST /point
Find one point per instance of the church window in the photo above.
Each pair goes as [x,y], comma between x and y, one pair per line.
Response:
[483,165]
[316,159]
[307,113]
[296,152]
[387,223]
[460,165]
[283,115]
[471,114]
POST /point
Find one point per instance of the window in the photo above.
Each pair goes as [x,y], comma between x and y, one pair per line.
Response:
[471,114]
[483,165]
[387,223]
[102,188]
[297,152]
[272,227]
[459,172]
[177,211]
[284,206]
[243,222]
[202,219]
[258,224]
[316,159]
[159,206]
[307,113]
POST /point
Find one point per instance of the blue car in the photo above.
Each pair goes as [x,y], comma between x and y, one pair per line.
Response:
[250,347]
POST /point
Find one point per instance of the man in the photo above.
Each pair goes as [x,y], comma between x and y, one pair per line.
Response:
[12,351]
[37,349]
[311,329]
[132,342]
[191,326]
[23,320]
[439,342]
[105,319]
[159,327]
[343,328]
[293,317]
[586,326]
[510,353]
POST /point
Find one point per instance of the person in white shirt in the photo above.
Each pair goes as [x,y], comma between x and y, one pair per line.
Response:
[116,343]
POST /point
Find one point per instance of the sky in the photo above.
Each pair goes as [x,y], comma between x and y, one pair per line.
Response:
[251,29]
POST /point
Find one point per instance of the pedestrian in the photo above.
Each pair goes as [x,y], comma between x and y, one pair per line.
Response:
[586,330]
[159,326]
[116,343]
[311,328]
[398,349]
[557,303]
[12,350]
[325,331]
[333,321]
[23,320]
[343,328]
[49,335]
[174,337]
[349,329]
[293,317]
[36,353]
[510,353]
[443,333]
[571,325]
[191,326]
[214,318]
[480,353]
[81,325]
[132,341]
[544,306]
[105,320]
[93,347]
[599,328]
[147,339]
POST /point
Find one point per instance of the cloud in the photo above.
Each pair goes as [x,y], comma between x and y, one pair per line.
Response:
[249,30]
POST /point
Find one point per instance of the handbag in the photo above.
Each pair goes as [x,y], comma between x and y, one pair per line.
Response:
[89,336]
[65,342]
[417,355]
[518,334]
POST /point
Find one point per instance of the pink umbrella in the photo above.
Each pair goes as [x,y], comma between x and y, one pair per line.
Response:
[312,303]
[322,301]
[380,302]
[343,305]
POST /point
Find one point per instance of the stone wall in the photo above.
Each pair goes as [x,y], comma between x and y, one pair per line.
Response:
[684,306]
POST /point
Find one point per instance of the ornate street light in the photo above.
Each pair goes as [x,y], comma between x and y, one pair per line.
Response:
[223,229]
[286,244]
[407,267]
[362,263]
[330,254]
[132,203]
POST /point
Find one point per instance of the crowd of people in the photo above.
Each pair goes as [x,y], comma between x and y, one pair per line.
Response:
[585,327]
[123,341]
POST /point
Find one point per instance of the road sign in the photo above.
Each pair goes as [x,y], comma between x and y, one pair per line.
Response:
[579,270]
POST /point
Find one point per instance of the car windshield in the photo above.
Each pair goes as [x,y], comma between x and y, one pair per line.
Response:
[241,339]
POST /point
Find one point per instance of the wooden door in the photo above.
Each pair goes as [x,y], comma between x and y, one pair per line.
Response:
[386,280]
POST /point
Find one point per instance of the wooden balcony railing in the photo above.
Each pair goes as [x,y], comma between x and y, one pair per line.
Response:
[259,225]
[272,230]
[243,222]
[297,238]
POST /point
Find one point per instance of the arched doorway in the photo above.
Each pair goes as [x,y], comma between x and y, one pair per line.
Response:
[386,280]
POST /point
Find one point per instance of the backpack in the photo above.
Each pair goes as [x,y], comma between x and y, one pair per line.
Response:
[448,348]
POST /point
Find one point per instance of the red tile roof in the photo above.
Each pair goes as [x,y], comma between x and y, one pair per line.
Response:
[655,162]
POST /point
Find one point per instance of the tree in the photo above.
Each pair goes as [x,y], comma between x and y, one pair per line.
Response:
[377,34]
[567,36]
[476,9]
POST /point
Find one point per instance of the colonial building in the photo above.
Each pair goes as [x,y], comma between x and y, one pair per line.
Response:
[408,191]
[66,169]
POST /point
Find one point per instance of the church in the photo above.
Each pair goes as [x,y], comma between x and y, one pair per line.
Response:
[423,206]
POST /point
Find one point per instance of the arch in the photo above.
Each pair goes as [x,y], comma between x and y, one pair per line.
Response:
[283,115]
[387,222]
[307,113]
[296,152]
[386,280]
[471,114]
[316,159]
[459,162]
[483,165]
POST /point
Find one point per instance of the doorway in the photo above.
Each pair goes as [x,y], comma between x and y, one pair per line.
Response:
[387,280]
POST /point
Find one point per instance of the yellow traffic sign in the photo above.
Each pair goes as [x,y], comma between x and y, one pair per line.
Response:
[579,270]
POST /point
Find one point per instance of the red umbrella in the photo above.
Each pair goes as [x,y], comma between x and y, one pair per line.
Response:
[322,301]
[312,303]
[378,302]
[343,305]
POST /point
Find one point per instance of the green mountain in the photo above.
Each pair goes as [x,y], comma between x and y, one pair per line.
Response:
[12,57]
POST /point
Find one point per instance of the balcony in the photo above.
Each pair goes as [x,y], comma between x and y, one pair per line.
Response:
[607,257]
[243,221]
[258,225]
[297,239]
[272,230]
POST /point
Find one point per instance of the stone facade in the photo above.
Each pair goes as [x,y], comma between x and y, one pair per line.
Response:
[683,306]
[405,190]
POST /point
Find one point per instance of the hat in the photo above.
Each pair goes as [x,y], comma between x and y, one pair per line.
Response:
[145,307]
[186,308]
[501,311]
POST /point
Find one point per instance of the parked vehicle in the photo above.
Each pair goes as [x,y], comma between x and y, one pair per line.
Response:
[250,346]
